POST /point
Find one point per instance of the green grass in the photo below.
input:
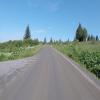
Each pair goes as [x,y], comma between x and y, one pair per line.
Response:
[19,53]
[85,53]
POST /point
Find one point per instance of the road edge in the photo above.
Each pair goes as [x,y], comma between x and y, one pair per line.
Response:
[86,76]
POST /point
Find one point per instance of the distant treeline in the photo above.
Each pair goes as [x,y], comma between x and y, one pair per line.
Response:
[83,35]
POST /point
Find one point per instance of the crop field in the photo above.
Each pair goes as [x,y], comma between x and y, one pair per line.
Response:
[85,53]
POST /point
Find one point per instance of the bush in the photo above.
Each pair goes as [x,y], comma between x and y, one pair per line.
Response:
[92,61]
[2,57]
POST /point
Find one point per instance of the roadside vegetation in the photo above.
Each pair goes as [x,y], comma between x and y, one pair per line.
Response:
[87,54]
[18,49]
[84,49]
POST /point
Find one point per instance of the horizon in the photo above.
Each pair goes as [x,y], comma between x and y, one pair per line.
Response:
[58,19]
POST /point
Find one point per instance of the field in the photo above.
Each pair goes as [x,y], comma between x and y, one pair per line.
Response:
[18,53]
[85,53]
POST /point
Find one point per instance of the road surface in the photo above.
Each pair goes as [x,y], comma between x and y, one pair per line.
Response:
[50,77]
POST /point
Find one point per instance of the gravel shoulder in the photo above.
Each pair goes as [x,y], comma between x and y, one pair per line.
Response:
[9,70]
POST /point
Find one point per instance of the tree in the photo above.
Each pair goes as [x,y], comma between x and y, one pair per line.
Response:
[27,37]
[27,33]
[27,42]
[45,41]
[35,42]
[17,43]
[85,34]
[68,40]
[60,41]
[79,33]
[97,38]
[89,38]
[51,41]
[92,38]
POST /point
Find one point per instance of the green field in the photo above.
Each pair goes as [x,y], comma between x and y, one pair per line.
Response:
[85,53]
[19,53]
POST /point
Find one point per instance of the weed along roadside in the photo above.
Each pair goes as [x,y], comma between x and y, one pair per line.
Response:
[86,54]
[19,53]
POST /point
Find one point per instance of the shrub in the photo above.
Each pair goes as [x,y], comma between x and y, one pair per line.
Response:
[92,61]
[2,57]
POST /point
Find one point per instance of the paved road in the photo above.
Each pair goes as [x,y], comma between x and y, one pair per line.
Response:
[51,77]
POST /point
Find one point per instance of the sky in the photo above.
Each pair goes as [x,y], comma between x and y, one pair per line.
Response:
[48,18]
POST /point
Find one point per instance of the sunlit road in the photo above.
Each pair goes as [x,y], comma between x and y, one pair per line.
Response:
[50,77]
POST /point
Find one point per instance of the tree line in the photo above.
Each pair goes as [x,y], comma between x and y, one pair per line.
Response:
[82,35]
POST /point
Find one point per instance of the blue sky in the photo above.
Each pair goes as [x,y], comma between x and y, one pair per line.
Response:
[48,18]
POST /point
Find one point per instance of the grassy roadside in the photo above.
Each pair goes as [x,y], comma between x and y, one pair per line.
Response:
[20,53]
[85,53]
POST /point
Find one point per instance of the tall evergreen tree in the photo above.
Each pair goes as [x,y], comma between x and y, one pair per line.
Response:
[27,33]
[45,41]
[92,38]
[85,34]
[89,38]
[79,33]
[60,41]
[97,38]
[51,41]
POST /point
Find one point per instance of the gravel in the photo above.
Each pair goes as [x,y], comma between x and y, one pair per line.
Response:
[10,69]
